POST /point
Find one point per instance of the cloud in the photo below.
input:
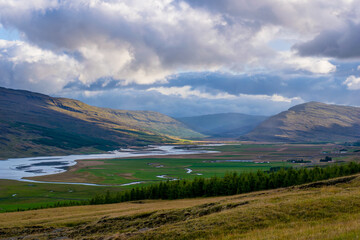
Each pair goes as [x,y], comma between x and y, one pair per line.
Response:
[342,43]
[26,66]
[230,54]
[178,106]
[132,41]
[304,17]
[273,98]
[187,92]
[352,82]
[310,64]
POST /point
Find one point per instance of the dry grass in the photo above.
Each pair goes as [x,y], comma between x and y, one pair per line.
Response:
[328,211]
[59,217]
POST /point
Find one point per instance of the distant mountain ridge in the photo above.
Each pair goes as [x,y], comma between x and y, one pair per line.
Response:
[310,122]
[36,124]
[223,125]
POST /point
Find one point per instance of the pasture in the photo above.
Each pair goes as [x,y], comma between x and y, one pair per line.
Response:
[152,169]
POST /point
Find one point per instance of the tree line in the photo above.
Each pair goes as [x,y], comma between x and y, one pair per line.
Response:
[232,183]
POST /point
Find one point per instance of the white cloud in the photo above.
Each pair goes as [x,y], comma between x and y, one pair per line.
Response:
[26,66]
[188,92]
[133,42]
[273,98]
[352,82]
[143,42]
[311,64]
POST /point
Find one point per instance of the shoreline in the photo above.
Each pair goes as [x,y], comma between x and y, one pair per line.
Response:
[76,162]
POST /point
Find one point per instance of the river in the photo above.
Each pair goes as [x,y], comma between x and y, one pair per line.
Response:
[19,168]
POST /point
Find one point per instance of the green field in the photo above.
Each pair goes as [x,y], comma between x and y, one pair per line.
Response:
[266,148]
[122,171]
[24,195]
[147,169]
[34,195]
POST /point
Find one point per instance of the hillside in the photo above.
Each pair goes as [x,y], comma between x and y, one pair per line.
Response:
[35,124]
[322,210]
[310,122]
[223,125]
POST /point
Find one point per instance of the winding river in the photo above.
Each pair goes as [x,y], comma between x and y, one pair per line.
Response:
[19,168]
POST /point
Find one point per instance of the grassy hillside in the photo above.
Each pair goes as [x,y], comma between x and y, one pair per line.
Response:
[310,122]
[223,125]
[35,124]
[322,210]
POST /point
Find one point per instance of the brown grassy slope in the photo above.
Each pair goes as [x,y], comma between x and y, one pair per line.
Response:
[310,122]
[35,124]
[326,210]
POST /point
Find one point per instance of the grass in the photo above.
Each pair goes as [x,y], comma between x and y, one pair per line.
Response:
[115,171]
[120,171]
[328,211]
[242,147]
[145,169]
[34,195]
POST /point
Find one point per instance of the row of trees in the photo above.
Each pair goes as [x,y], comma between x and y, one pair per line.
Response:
[231,183]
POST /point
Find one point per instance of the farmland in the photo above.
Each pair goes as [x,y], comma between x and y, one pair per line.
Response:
[230,157]
[148,170]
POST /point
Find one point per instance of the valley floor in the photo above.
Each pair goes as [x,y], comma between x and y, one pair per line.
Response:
[16,195]
[324,210]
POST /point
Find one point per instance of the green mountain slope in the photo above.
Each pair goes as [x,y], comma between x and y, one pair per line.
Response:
[225,125]
[310,122]
[35,124]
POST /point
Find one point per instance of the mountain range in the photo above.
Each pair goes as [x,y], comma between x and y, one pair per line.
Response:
[34,124]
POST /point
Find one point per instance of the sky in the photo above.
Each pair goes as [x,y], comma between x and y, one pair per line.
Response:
[184,57]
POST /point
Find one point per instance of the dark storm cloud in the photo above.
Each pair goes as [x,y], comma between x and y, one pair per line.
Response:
[340,43]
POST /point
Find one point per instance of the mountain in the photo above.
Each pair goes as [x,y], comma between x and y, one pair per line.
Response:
[310,122]
[224,125]
[35,124]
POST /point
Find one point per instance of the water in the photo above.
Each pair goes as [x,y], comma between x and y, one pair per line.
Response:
[230,160]
[162,176]
[19,168]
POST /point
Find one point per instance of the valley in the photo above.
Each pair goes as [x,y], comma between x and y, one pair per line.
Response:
[147,170]
[179,120]
[77,158]
[239,157]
